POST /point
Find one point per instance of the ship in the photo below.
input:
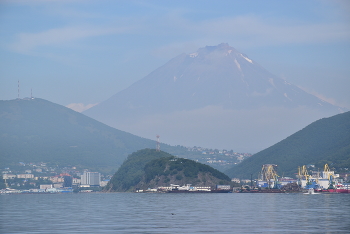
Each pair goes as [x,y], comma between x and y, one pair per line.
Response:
[325,181]
[174,188]
[311,191]
[258,190]
[192,189]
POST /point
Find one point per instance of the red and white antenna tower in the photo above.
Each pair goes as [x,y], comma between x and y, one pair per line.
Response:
[158,144]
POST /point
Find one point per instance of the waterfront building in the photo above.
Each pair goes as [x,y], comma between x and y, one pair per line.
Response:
[45,186]
[236,180]
[56,179]
[76,181]
[67,181]
[57,185]
[91,178]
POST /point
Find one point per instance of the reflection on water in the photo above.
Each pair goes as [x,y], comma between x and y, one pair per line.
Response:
[170,213]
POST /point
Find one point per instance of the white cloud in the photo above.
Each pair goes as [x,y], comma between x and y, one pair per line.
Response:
[80,107]
[241,30]
[58,36]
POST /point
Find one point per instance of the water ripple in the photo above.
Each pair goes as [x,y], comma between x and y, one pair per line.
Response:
[170,213]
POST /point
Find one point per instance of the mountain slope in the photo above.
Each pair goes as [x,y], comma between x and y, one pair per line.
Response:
[215,91]
[37,130]
[324,141]
[149,168]
[214,75]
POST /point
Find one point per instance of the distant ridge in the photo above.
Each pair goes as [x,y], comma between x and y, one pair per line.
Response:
[36,130]
[324,141]
[216,91]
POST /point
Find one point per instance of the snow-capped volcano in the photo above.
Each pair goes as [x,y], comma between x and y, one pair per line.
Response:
[216,89]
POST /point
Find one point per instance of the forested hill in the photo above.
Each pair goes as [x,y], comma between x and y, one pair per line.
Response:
[149,168]
[324,141]
[36,130]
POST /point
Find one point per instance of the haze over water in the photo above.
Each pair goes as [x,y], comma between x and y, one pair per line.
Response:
[174,213]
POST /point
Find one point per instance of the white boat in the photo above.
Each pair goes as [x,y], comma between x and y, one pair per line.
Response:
[311,191]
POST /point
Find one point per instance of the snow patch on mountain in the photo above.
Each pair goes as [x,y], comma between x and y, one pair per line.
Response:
[285,94]
[287,83]
[229,52]
[271,82]
[238,65]
[249,60]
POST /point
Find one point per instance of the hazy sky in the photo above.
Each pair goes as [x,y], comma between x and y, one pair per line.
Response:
[71,51]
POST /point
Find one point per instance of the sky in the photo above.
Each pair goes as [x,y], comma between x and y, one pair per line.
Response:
[78,53]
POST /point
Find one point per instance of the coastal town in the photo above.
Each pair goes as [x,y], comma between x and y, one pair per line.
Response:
[219,159]
[45,177]
[48,178]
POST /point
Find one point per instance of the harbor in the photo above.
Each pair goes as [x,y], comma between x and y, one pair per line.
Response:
[308,182]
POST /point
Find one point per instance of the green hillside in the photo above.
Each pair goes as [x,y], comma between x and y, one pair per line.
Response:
[36,130]
[148,169]
[324,141]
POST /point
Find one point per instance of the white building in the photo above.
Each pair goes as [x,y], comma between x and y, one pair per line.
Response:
[45,186]
[76,181]
[25,176]
[8,176]
[104,183]
[91,178]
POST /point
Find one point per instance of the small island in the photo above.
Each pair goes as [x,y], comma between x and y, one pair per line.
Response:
[152,170]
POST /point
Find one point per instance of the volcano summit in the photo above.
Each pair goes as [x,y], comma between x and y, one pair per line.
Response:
[216,97]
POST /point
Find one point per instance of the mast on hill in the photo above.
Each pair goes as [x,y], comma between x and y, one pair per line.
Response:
[158,144]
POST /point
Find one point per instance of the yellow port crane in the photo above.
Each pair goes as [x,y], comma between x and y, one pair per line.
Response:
[269,174]
[303,174]
[327,173]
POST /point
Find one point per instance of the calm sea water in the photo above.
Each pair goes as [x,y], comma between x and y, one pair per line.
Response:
[174,213]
